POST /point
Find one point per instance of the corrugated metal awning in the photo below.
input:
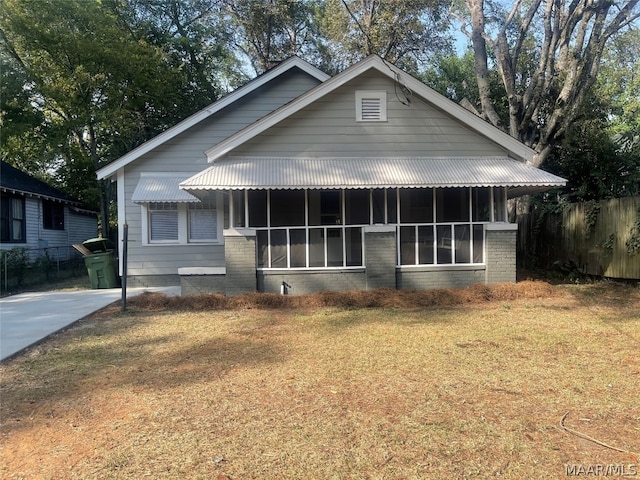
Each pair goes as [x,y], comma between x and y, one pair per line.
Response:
[161,188]
[320,173]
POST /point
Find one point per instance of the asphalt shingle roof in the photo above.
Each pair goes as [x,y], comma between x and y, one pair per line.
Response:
[14,180]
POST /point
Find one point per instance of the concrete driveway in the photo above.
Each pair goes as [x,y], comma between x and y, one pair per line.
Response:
[29,318]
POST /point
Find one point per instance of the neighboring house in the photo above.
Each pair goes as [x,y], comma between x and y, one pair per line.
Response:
[302,182]
[39,217]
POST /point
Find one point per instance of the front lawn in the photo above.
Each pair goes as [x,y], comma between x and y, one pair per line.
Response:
[476,389]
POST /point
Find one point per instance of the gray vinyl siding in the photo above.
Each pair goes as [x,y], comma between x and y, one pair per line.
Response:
[80,227]
[328,127]
[185,154]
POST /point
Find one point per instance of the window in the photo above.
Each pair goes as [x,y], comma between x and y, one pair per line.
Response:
[203,220]
[52,215]
[12,219]
[163,222]
[371,106]
[182,223]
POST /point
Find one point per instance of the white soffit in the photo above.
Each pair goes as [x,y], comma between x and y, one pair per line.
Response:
[374,172]
[161,189]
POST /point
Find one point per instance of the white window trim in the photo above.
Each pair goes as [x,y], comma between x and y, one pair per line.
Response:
[380,95]
[183,226]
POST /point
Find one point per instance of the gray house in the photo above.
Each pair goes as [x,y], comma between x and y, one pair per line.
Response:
[302,182]
[41,218]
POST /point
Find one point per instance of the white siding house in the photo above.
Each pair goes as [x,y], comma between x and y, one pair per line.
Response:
[302,182]
[40,218]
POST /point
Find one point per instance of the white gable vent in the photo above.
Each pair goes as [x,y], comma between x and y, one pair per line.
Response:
[371,106]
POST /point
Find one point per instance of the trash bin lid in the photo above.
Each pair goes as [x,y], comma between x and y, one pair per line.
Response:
[98,245]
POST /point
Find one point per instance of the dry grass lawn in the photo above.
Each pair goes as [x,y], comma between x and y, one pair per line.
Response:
[470,384]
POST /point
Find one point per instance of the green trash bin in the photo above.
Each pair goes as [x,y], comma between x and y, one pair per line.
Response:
[100,263]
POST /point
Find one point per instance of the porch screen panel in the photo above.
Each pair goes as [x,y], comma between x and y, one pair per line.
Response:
[298,248]
[334,247]
[316,247]
[356,207]
[237,202]
[425,245]
[287,208]
[416,205]
[478,244]
[392,205]
[257,208]
[499,205]
[262,242]
[278,249]
[325,207]
[452,204]
[462,244]
[378,205]
[408,245]
[353,242]
[444,243]
[481,204]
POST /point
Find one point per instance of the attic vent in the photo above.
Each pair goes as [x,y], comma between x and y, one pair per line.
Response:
[371,106]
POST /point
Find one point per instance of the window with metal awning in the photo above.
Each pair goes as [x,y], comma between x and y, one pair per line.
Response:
[174,216]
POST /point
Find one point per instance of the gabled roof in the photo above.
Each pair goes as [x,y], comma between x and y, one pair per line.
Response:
[285,66]
[515,148]
[13,180]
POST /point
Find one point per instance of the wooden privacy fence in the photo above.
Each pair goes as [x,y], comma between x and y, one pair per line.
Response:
[600,238]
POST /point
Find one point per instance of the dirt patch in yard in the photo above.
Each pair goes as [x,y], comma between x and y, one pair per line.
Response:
[442,384]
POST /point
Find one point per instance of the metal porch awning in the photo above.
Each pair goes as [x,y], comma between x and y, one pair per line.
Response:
[259,173]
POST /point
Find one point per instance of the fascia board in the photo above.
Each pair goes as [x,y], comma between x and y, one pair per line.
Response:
[205,113]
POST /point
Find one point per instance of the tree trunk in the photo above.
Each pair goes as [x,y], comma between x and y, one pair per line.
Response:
[476,7]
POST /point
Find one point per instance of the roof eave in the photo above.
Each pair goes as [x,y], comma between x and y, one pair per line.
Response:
[40,195]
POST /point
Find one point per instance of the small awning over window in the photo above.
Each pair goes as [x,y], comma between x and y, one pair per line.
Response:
[323,173]
[161,188]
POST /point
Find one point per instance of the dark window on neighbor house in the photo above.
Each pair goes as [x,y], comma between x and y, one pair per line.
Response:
[12,219]
[52,215]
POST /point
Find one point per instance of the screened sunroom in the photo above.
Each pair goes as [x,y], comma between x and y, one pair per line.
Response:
[311,228]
